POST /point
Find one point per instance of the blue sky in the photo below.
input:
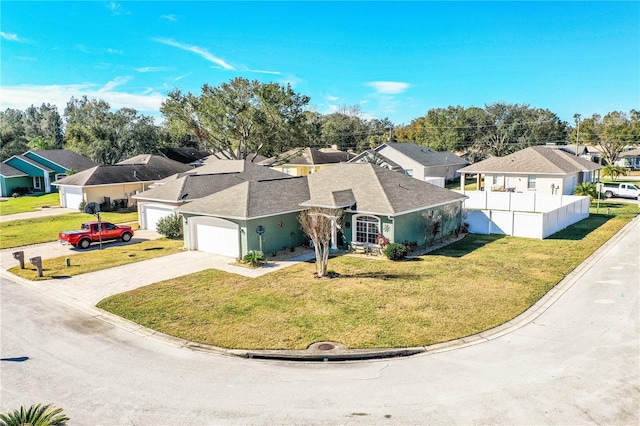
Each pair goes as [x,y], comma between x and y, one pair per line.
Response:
[394,60]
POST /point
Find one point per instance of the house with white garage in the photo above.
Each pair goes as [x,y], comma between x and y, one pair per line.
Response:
[417,161]
[538,169]
[111,184]
[165,196]
[35,170]
[377,202]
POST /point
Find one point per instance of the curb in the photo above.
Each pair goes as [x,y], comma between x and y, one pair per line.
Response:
[336,352]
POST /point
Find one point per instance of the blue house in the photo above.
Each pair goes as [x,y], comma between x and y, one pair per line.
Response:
[34,171]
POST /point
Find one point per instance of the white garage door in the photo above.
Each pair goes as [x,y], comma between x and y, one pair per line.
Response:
[217,236]
[152,214]
[71,197]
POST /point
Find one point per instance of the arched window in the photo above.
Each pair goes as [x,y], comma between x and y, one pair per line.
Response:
[367,229]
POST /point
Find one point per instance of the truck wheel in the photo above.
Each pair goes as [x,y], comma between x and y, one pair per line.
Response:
[608,194]
[126,237]
[84,243]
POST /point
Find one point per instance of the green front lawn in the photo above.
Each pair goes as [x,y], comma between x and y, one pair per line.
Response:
[97,260]
[467,287]
[17,233]
[29,203]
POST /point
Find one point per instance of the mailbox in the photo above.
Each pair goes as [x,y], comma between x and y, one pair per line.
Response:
[37,262]
[19,256]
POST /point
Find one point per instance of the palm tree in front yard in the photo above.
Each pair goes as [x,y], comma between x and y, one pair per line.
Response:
[587,189]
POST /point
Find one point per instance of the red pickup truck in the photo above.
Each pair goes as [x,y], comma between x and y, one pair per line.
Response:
[89,233]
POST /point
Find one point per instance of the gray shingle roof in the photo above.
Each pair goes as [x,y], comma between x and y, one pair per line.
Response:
[423,154]
[533,160]
[65,158]
[376,189]
[630,153]
[371,156]
[253,199]
[9,172]
[309,157]
[208,179]
[145,168]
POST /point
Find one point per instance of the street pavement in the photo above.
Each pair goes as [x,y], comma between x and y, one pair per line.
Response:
[573,359]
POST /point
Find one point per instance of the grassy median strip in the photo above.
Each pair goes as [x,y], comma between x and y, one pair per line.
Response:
[22,232]
[467,287]
[96,260]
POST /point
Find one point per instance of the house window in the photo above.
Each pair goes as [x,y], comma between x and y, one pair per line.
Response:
[37,184]
[531,183]
[367,229]
[286,170]
[495,179]
[60,176]
[409,172]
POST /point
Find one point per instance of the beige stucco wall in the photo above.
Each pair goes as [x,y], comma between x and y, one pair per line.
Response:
[114,192]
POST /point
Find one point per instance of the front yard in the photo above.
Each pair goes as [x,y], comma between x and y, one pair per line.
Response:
[22,232]
[96,260]
[29,203]
[470,286]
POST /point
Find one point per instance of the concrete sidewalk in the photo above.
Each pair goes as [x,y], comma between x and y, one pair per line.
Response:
[52,211]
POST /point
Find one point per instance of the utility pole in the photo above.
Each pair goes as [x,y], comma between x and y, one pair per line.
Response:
[577,118]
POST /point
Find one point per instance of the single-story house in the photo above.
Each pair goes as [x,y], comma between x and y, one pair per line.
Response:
[377,202]
[35,170]
[304,161]
[629,159]
[536,168]
[165,196]
[414,160]
[116,183]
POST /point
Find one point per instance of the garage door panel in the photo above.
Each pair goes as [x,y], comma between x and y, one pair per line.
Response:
[218,237]
[72,198]
[153,214]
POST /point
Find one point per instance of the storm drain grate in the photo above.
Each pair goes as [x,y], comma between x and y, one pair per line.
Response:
[326,346]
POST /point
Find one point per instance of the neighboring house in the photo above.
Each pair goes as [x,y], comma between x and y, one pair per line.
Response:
[537,168]
[629,159]
[185,154]
[165,196]
[376,202]
[304,161]
[37,169]
[586,152]
[110,183]
[414,160]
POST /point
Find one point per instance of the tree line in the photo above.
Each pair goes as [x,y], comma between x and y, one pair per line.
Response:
[242,116]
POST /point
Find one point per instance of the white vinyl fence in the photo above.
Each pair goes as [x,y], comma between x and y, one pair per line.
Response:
[528,215]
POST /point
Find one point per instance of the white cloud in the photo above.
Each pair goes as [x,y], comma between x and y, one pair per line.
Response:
[153,69]
[170,18]
[197,50]
[332,98]
[23,96]
[266,72]
[11,37]
[388,87]
[116,8]
[118,81]
[115,51]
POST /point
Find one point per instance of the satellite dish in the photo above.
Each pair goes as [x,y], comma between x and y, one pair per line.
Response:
[92,208]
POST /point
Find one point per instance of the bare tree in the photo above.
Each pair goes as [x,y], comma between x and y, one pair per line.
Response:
[318,224]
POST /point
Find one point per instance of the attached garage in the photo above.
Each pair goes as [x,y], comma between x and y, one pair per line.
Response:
[215,235]
[150,215]
[71,197]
